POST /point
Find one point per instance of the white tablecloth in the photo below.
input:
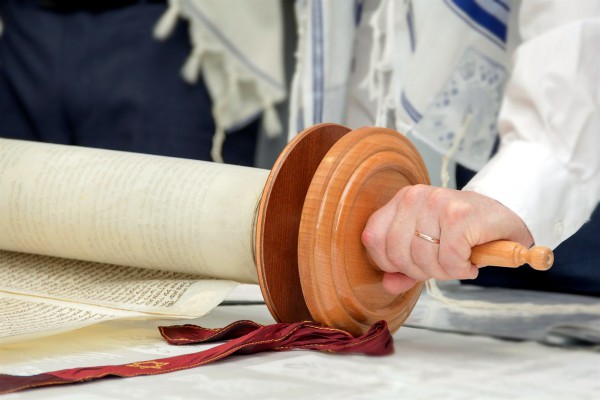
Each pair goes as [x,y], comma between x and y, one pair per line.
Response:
[426,365]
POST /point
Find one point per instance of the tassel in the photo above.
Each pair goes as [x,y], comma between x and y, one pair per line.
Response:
[233,77]
[167,21]
[191,69]
[444,173]
[217,145]
[271,122]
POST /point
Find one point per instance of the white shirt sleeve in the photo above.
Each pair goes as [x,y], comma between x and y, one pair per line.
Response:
[548,167]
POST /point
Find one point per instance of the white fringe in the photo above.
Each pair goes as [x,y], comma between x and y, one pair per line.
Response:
[167,21]
[295,87]
[193,65]
[270,121]
[217,145]
[234,75]
[445,175]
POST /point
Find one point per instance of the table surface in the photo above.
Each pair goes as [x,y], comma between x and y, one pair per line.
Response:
[426,365]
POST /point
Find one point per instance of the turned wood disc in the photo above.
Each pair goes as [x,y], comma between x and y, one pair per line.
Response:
[278,220]
[360,173]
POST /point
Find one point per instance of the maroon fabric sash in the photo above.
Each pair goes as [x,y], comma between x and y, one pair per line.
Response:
[245,337]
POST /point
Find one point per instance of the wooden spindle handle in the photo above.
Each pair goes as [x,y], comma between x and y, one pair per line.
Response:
[504,253]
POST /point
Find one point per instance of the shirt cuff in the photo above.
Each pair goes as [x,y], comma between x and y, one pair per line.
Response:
[530,180]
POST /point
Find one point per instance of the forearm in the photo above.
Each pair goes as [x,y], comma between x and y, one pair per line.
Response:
[548,167]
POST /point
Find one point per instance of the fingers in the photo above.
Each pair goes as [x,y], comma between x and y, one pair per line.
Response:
[439,213]
[396,283]
[454,259]
[386,238]
[426,254]
[401,234]
[374,236]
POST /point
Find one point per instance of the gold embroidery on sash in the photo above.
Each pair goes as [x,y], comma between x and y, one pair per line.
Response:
[148,365]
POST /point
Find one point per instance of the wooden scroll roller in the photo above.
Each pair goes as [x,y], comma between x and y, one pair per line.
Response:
[296,230]
[317,200]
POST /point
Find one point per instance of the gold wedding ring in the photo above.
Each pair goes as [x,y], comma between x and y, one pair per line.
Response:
[427,237]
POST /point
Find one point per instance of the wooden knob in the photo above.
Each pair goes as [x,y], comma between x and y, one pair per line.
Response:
[359,175]
[504,253]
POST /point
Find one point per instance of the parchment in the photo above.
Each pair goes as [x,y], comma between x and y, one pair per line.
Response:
[129,209]
[41,295]
[89,235]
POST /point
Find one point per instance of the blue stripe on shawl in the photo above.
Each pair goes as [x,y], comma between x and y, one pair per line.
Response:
[483,18]
[410,109]
[410,22]
[358,9]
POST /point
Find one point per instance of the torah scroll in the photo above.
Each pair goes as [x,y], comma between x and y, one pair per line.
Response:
[129,209]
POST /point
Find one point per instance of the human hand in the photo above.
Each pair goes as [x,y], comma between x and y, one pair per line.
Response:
[460,220]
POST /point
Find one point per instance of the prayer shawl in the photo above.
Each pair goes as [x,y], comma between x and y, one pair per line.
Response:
[365,62]
[238,49]
[456,74]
